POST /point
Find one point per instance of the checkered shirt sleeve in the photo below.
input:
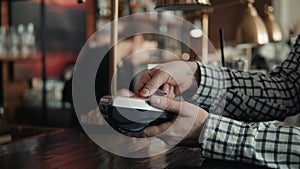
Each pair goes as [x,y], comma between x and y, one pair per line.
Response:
[254,99]
[252,96]
[263,143]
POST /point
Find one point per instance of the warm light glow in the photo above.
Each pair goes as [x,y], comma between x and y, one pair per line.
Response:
[203,1]
[262,38]
[196,33]
[185,5]
[277,36]
[252,29]
[274,30]
[81,1]
[185,56]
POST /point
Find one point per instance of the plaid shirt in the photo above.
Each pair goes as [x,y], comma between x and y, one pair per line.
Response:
[242,106]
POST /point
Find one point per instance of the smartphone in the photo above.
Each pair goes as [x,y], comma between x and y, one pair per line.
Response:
[130,114]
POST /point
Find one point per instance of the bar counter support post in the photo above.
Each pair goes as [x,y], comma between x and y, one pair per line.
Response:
[114,51]
[1,89]
[44,69]
[1,73]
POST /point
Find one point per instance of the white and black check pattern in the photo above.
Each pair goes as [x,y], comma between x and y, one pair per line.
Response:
[254,99]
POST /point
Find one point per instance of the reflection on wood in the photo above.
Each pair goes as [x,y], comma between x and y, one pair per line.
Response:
[69,149]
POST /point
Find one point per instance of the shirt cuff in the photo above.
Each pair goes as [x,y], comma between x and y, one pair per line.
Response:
[221,137]
[211,86]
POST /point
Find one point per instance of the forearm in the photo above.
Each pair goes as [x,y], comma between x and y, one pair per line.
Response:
[241,92]
[261,143]
[254,109]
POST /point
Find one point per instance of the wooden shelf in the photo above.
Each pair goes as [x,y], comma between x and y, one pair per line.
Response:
[7,62]
[15,0]
[19,59]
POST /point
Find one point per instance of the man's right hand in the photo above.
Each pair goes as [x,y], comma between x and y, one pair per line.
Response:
[182,75]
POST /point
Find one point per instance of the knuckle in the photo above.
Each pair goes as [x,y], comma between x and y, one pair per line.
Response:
[168,104]
[149,132]
[144,134]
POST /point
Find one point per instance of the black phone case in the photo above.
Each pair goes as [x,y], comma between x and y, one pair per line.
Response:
[143,113]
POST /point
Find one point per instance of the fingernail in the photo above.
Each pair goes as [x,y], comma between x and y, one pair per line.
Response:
[166,87]
[145,92]
[155,100]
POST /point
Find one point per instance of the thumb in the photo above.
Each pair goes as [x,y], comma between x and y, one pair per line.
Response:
[165,103]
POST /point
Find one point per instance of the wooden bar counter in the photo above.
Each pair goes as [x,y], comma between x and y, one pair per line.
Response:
[72,149]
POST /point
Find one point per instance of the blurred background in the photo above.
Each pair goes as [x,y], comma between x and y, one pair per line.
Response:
[41,40]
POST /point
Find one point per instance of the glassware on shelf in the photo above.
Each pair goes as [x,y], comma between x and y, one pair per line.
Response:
[31,39]
[13,42]
[3,41]
[241,64]
[18,41]
[23,45]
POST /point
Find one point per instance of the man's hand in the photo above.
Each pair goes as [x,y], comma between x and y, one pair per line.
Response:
[185,128]
[181,75]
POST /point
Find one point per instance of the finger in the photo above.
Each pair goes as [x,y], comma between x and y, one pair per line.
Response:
[170,93]
[177,90]
[136,134]
[165,103]
[129,134]
[146,76]
[152,131]
[166,88]
[159,78]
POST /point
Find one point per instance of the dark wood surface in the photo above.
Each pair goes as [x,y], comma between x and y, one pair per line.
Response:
[72,149]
